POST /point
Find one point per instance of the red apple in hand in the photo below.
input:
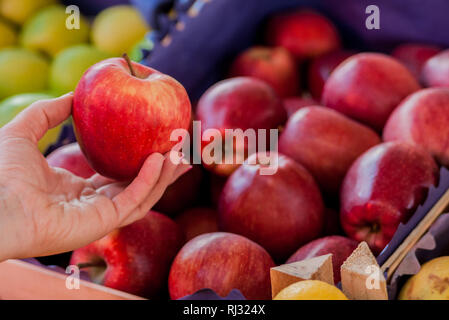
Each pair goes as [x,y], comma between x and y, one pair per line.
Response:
[320,69]
[197,221]
[340,248]
[135,258]
[275,66]
[326,143]
[382,189]
[423,119]
[221,262]
[305,33]
[71,158]
[435,72]
[293,104]
[414,56]
[281,212]
[238,103]
[367,87]
[182,193]
[122,115]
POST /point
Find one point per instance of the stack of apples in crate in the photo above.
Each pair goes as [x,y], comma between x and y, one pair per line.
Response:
[45,49]
[360,144]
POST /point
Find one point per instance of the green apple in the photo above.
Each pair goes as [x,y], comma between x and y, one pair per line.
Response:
[47,31]
[70,64]
[136,52]
[8,36]
[118,28]
[12,106]
[22,70]
[19,11]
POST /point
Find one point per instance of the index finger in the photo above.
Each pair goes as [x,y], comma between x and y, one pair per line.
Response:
[33,122]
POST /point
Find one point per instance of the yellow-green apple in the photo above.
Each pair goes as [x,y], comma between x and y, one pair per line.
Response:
[22,71]
[8,35]
[135,258]
[423,119]
[118,29]
[12,106]
[238,103]
[19,11]
[414,56]
[320,69]
[182,193]
[47,31]
[382,189]
[71,158]
[275,66]
[435,72]
[197,221]
[326,143]
[305,33]
[123,112]
[340,248]
[368,86]
[221,261]
[70,64]
[281,211]
[293,104]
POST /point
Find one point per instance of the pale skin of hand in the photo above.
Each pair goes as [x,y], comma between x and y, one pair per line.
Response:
[46,210]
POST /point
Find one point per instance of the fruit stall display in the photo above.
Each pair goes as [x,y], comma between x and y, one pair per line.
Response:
[361,156]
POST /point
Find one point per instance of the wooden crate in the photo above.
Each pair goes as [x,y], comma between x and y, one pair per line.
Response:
[21,280]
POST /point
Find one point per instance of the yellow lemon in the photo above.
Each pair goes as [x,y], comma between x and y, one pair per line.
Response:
[310,290]
[430,283]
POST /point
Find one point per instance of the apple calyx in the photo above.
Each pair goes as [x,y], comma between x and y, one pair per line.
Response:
[91,264]
[128,61]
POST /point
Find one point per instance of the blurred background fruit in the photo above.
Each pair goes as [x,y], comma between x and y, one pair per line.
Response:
[12,106]
[47,31]
[19,11]
[430,283]
[118,29]
[310,290]
[21,71]
[70,64]
[8,34]
[71,158]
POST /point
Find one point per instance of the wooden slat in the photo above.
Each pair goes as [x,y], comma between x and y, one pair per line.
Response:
[396,258]
[20,280]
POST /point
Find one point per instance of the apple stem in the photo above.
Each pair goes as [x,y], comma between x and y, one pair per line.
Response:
[88,265]
[128,61]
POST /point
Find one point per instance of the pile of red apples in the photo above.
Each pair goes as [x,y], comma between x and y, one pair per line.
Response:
[362,136]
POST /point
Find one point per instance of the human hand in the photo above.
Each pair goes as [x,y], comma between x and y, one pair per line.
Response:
[46,210]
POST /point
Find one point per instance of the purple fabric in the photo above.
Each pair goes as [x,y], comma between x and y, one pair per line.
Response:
[198,55]
[208,294]
[92,7]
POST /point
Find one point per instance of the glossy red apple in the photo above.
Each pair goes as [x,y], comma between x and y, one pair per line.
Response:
[121,116]
[135,258]
[423,119]
[414,56]
[221,262]
[281,212]
[181,194]
[305,33]
[368,86]
[340,248]
[238,103]
[382,189]
[326,143]
[320,69]
[293,104]
[197,221]
[275,66]
[71,158]
[435,72]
